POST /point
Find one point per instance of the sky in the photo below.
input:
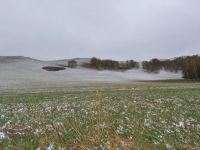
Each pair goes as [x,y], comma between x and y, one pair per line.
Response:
[117,29]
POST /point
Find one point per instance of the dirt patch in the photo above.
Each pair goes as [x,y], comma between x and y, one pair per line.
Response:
[52,68]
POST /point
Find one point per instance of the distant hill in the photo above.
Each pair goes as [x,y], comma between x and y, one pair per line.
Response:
[11,59]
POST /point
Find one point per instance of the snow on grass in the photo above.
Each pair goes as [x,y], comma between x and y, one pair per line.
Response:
[2,136]
[135,118]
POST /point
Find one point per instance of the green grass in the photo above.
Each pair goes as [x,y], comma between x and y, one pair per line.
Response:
[143,116]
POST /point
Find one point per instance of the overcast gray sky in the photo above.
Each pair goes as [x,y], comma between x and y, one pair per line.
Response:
[118,29]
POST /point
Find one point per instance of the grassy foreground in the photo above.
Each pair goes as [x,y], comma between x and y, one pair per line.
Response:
[138,117]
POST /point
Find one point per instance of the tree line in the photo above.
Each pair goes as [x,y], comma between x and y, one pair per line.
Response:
[189,65]
[112,64]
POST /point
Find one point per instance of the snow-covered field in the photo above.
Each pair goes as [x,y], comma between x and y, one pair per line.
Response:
[23,73]
[139,115]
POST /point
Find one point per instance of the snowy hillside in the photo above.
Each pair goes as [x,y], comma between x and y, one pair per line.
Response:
[22,72]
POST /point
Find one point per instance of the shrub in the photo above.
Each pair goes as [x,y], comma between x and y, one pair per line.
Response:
[72,64]
[153,65]
[132,64]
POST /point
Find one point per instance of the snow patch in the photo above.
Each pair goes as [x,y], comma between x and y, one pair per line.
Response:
[2,136]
